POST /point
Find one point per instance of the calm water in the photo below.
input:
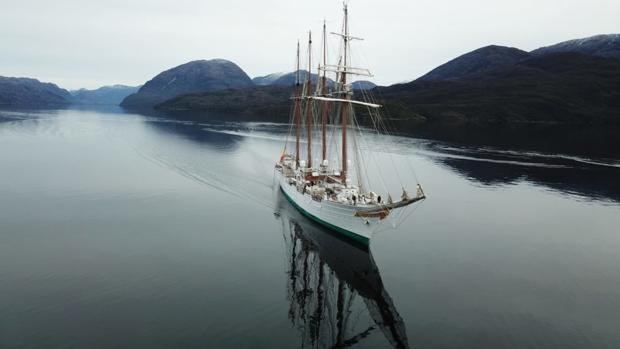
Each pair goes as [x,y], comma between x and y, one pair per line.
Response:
[120,230]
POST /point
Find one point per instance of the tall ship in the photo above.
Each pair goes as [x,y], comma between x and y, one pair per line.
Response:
[323,170]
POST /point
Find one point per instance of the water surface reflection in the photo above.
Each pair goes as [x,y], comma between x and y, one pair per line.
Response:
[126,230]
[587,178]
[337,298]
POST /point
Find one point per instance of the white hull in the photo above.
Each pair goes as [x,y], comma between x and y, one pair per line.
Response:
[335,216]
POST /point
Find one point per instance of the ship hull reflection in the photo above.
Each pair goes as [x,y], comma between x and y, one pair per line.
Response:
[337,298]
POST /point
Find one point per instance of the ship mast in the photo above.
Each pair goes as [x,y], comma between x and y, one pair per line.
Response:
[345,105]
[308,101]
[297,112]
[343,69]
[323,92]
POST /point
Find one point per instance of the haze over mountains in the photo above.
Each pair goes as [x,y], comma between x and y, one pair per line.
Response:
[106,95]
[290,79]
[267,79]
[31,93]
[570,82]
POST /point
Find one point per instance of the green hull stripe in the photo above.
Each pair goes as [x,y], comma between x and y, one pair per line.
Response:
[349,234]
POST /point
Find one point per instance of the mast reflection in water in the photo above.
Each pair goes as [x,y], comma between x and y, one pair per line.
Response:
[336,295]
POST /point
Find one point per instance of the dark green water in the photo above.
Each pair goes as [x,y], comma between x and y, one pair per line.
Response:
[124,231]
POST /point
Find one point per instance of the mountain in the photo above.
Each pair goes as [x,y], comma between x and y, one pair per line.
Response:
[363,85]
[556,88]
[272,100]
[289,79]
[106,95]
[196,76]
[269,102]
[490,86]
[31,93]
[267,79]
[599,45]
[477,62]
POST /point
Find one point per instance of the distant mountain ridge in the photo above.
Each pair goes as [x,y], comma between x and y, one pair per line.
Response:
[566,82]
[488,86]
[477,62]
[195,76]
[31,93]
[486,59]
[555,88]
[606,45]
[290,79]
[363,85]
[106,95]
[267,79]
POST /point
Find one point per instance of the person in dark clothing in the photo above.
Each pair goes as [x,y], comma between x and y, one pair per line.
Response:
[379,199]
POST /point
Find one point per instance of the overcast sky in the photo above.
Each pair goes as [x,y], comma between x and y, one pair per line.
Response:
[81,43]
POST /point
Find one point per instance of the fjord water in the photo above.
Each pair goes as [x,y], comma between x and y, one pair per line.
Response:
[123,230]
